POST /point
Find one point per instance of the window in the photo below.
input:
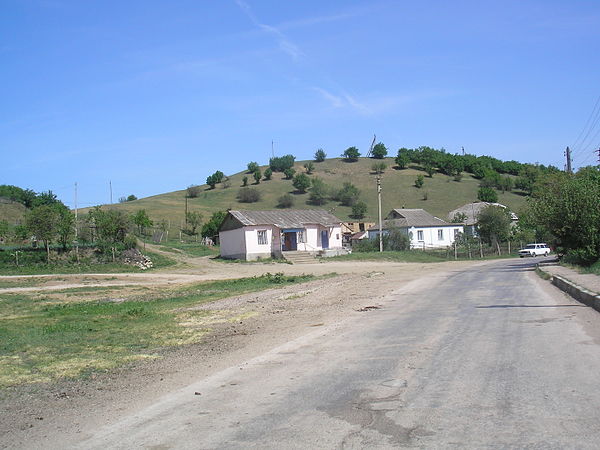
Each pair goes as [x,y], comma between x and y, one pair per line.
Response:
[262,237]
[301,238]
[420,235]
[456,231]
[440,235]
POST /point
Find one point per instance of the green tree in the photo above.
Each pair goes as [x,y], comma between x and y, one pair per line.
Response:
[3,229]
[351,154]
[65,228]
[211,228]
[285,201]
[319,192]
[379,151]
[402,160]
[111,227]
[359,210]
[320,155]
[131,198]
[252,167]
[459,217]
[348,195]
[268,173]
[289,173]
[487,194]
[309,167]
[280,163]
[301,182]
[420,181]
[429,169]
[493,225]
[211,181]
[141,220]
[245,181]
[257,176]
[568,207]
[194,220]
[42,221]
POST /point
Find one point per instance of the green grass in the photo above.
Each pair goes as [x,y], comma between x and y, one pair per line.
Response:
[41,341]
[86,266]
[416,256]
[190,248]
[444,194]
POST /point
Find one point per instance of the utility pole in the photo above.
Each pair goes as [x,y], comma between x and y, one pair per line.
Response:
[379,205]
[463,151]
[110,187]
[568,155]
[598,151]
[76,227]
[272,149]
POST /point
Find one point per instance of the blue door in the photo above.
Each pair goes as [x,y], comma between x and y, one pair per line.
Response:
[324,239]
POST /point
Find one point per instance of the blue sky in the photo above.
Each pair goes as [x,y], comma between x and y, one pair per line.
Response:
[155,95]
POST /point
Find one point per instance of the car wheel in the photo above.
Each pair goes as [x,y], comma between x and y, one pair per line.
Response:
[546,254]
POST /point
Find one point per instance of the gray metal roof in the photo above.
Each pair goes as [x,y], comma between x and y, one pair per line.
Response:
[406,218]
[472,211]
[293,218]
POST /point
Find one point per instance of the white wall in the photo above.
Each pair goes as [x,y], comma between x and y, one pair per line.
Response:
[430,236]
[253,248]
[232,244]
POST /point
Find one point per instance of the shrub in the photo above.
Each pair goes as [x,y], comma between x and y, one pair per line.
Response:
[379,151]
[285,201]
[351,154]
[378,167]
[268,173]
[359,210]
[319,192]
[348,195]
[320,155]
[289,173]
[192,191]
[309,166]
[301,182]
[248,195]
[487,194]
[280,163]
[420,181]
[252,167]
[257,176]
[245,181]
[402,159]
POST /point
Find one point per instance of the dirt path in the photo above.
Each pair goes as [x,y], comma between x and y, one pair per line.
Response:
[56,414]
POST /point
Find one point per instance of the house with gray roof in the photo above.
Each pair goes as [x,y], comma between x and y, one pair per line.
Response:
[251,235]
[424,230]
[469,215]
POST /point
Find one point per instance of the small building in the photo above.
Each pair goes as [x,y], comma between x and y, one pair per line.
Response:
[469,213]
[424,230]
[264,234]
[352,231]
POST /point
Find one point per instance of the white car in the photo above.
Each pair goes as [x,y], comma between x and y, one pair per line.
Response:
[534,250]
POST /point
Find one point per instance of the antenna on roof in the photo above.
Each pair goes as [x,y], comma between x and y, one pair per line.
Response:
[372,145]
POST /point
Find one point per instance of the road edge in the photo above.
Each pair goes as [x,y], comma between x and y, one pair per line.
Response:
[579,293]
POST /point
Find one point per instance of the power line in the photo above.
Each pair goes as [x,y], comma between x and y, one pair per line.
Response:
[590,125]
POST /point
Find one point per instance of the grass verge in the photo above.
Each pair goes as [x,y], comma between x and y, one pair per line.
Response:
[190,249]
[42,340]
[417,256]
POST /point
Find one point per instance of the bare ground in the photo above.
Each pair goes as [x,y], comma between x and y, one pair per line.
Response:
[57,414]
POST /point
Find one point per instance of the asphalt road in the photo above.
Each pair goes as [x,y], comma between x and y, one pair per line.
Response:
[490,357]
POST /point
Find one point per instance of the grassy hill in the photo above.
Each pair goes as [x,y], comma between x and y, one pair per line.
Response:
[10,211]
[443,193]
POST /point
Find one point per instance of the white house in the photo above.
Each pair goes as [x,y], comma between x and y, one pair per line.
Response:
[253,234]
[469,213]
[423,229]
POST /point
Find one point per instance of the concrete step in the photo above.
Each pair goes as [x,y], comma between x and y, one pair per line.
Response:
[300,258]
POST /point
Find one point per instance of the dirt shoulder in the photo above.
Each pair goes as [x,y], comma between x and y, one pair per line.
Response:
[59,414]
